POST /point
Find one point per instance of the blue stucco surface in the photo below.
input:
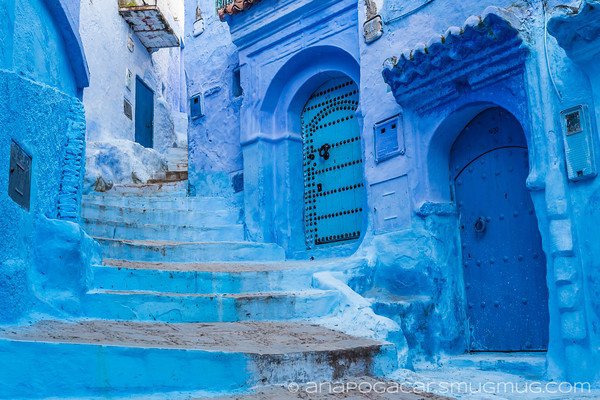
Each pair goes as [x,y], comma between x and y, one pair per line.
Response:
[211,58]
[44,32]
[439,83]
[438,65]
[434,124]
[40,83]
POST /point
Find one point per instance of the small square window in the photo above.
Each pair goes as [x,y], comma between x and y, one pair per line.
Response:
[196,106]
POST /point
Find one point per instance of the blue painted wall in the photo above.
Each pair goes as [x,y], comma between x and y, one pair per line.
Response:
[554,84]
[210,61]
[42,74]
[287,50]
[106,37]
[278,77]
[38,33]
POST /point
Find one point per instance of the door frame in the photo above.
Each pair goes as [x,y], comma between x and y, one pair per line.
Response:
[271,142]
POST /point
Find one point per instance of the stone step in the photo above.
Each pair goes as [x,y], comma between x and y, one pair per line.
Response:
[176,161]
[177,307]
[171,176]
[400,305]
[529,365]
[183,216]
[109,358]
[176,158]
[177,166]
[174,202]
[153,189]
[176,152]
[170,232]
[355,388]
[204,278]
[143,250]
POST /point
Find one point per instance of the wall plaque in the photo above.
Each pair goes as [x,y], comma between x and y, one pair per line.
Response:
[19,178]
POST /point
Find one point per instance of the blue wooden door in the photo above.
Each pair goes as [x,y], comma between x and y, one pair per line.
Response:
[333,165]
[144,114]
[503,262]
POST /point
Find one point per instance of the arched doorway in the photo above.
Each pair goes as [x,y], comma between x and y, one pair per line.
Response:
[503,262]
[334,191]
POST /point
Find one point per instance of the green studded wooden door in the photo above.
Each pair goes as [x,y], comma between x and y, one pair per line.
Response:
[334,193]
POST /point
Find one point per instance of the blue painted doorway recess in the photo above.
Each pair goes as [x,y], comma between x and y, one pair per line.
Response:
[334,192]
[144,114]
[503,262]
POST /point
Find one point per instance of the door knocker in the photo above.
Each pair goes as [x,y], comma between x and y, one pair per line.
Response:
[324,151]
[480,225]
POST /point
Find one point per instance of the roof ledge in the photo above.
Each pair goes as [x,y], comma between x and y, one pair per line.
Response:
[578,30]
[485,49]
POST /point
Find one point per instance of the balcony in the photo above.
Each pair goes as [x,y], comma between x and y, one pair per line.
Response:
[231,7]
[150,20]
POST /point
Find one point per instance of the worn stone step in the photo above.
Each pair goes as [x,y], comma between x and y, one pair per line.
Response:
[108,358]
[170,232]
[204,277]
[183,216]
[153,189]
[170,176]
[400,305]
[176,159]
[354,388]
[176,152]
[174,202]
[179,307]
[529,365]
[145,250]
[177,167]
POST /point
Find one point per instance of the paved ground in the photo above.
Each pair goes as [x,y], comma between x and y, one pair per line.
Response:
[250,338]
[370,389]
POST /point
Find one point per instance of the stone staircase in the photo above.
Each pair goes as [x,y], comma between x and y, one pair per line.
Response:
[177,166]
[181,302]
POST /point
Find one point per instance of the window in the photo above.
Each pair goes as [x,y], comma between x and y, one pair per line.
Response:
[237,89]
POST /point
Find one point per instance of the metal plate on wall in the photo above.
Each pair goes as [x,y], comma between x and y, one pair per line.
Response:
[391,208]
[373,29]
[577,134]
[389,138]
[19,179]
[128,109]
